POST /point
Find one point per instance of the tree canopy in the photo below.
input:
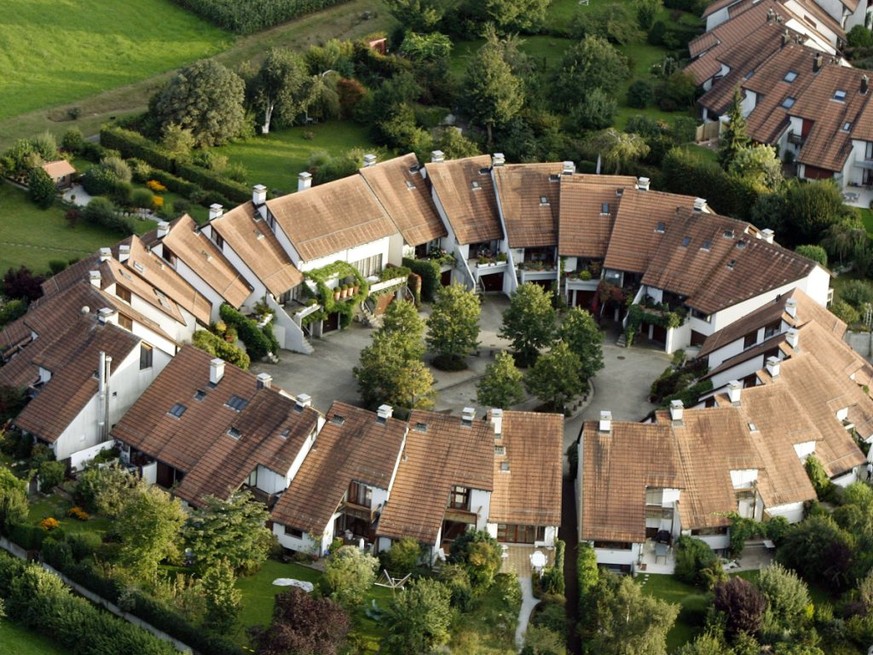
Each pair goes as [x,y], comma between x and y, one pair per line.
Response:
[303,623]
[453,326]
[592,63]
[13,499]
[583,337]
[555,377]
[419,618]
[501,386]
[529,322]
[281,87]
[494,95]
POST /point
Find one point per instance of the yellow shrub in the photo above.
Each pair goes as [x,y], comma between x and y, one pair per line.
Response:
[49,524]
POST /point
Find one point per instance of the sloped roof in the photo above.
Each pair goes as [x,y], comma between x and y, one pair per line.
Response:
[528,196]
[353,446]
[440,452]
[243,230]
[203,257]
[59,168]
[331,217]
[583,229]
[405,194]
[529,492]
[466,192]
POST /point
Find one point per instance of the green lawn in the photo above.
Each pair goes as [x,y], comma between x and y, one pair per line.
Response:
[867,218]
[58,52]
[20,641]
[57,507]
[668,588]
[274,160]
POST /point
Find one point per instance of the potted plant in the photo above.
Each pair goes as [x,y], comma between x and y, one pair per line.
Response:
[337,293]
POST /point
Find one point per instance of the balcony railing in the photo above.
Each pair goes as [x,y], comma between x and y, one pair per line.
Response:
[796,139]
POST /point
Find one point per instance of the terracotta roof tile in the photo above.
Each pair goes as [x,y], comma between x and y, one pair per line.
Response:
[528,196]
[466,192]
[583,229]
[59,168]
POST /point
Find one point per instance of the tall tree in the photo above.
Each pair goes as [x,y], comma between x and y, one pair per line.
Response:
[508,15]
[494,95]
[453,326]
[402,318]
[303,623]
[420,15]
[742,605]
[592,63]
[348,575]
[280,86]
[223,599]
[13,499]
[758,164]
[386,375]
[204,97]
[812,208]
[616,149]
[501,386]
[583,337]
[788,601]
[734,133]
[529,322]
[555,377]
[419,618]
[41,188]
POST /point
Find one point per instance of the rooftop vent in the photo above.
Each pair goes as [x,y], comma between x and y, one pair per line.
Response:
[475,186]
[234,433]
[467,416]
[95,278]
[369,160]
[605,423]
[105,254]
[265,380]
[793,338]
[337,419]
[123,252]
[497,159]
[768,235]
[699,204]
[437,156]
[497,421]
[163,229]
[791,307]
[661,227]
[303,401]
[383,413]
[643,183]
[677,410]
[105,315]
[734,389]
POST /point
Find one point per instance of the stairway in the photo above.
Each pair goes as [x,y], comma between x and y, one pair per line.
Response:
[621,342]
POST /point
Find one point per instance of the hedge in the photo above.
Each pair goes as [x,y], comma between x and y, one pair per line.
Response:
[218,347]
[252,15]
[132,144]
[213,181]
[257,343]
[429,271]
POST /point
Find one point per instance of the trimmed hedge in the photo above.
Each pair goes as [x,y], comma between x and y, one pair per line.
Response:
[257,343]
[132,144]
[429,272]
[252,15]
[218,347]
[213,181]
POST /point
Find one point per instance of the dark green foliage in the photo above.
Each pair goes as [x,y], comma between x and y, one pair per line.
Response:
[429,271]
[253,15]
[480,554]
[501,386]
[734,136]
[677,92]
[40,188]
[214,181]
[12,400]
[640,94]
[257,343]
[595,112]
[614,22]
[742,605]
[419,618]
[819,551]
[13,500]
[555,378]
[552,581]
[218,347]
[822,484]
[857,293]
[815,253]
[133,144]
[859,37]
[73,141]
[11,310]
[587,572]
[529,322]
[812,208]
[551,613]
[694,609]
[593,63]
[51,474]
[402,558]
[695,561]
[101,211]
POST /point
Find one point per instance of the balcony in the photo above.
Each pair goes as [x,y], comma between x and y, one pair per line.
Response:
[796,139]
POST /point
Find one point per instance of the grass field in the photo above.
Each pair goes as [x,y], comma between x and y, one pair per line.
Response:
[16,640]
[61,51]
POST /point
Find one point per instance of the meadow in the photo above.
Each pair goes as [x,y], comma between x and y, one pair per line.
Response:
[21,641]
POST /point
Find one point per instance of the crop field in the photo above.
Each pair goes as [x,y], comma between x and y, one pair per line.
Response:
[58,51]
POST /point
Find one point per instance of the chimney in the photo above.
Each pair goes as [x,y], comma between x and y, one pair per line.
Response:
[123,252]
[767,234]
[303,401]
[605,424]
[259,194]
[216,370]
[497,421]
[771,15]
[85,310]
[105,254]
[163,229]
[786,37]
[95,278]
[467,416]
[791,307]
[437,157]
[265,380]
[793,338]
[817,62]
[369,160]
[773,366]
[497,159]
[699,204]
[643,183]
[106,315]
[677,409]
[304,181]
[865,85]
[383,413]
[568,168]
[215,211]
[734,389]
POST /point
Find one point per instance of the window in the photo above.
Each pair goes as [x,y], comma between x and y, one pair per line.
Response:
[177,410]
[847,126]
[420,427]
[790,76]
[604,208]
[336,419]
[125,321]
[499,450]
[293,532]
[234,433]
[360,494]
[216,237]
[728,234]
[661,227]
[170,256]
[772,328]
[475,186]
[236,403]
[145,356]
[686,241]
[707,245]
[731,264]
[520,534]
[788,103]
[123,293]
[459,498]
[544,200]
[840,95]
[199,394]
[369,266]
[409,185]
[750,340]
[868,150]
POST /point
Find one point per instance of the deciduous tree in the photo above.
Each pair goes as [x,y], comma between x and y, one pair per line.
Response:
[529,322]
[501,386]
[555,377]
[303,623]
[593,63]
[420,15]
[742,605]
[13,499]
[616,149]
[479,553]
[419,618]
[348,575]
[789,607]
[280,86]
[453,326]
[494,95]
[41,188]
[223,599]
[21,283]
[582,335]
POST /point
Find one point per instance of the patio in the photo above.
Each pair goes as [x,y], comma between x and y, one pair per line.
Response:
[858,196]
[661,561]
[517,559]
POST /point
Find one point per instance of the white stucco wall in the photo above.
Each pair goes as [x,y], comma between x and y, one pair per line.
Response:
[738,372]
[792,512]
[480,502]
[304,544]
[617,557]
[363,251]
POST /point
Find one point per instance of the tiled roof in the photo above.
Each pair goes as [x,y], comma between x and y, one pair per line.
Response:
[713,7]
[528,196]
[72,274]
[529,492]
[398,184]
[440,452]
[243,230]
[60,168]
[775,343]
[331,217]
[72,358]
[583,229]
[203,257]
[466,192]
[353,446]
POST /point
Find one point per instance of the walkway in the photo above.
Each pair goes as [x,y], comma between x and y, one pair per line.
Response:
[517,560]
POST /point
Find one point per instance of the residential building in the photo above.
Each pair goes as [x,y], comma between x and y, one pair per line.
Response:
[814,21]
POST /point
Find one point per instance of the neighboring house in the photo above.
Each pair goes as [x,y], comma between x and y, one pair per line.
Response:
[813,21]
[205,427]
[345,482]
[89,373]
[61,172]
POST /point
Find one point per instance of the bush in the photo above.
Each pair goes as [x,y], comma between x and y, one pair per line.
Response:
[12,310]
[845,312]
[640,94]
[693,559]
[142,198]
[429,271]
[218,347]
[857,293]
[815,253]
[73,141]
[694,609]
[101,211]
[51,474]
[402,558]
[258,344]
[41,188]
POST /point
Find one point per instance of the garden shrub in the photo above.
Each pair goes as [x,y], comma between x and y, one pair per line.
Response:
[218,347]
[12,310]
[857,293]
[257,343]
[29,537]
[693,557]
[254,15]
[429,271]
[640,94]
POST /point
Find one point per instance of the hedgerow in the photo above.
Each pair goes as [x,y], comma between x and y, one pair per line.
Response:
[252,15]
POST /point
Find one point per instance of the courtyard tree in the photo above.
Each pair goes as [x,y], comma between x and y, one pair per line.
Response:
[402,318]
[583,337]
[204,97]
[13,500]
[223,599]
[480,554]
[453,326]
[348,575]
[555,377]
[501,386]
[493,93]
[419,618]
[231,531]
[41,188]
[302,623]
[280,87]
[529,322]
[789,605]
[385,375]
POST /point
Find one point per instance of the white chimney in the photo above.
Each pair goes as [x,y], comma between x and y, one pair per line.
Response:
[643,183]
[304,400]
[259,194]
[734,389]
[497,421]
[106,315]
[123,252]
[216,370]
[773,366]
[384,412]
[568,168]
[304,181]
[791,307]
[105,254]
[265,380]
[467,415]
[793,338]
[768,235]
[163,229]
[605,424]
[437,157]
[497,159]
[699,204]
[215,211]
[95,278]
[369,160]
[676,411]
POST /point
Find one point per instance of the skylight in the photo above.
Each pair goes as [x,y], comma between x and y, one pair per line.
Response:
[661,227]
[604,208]
[732,263]
[544,200]
[847,126]
[409,184]
[686,241]
[177,410]
[199,394]
[839,95]
[728,234]
[499,450]
[421,427]
[236,403]
[336,419]
[788,103]
[475,186]
[707,245]
[233,432]
[790,76]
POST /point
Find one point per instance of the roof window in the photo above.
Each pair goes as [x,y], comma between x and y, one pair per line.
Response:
[284,433]
[741,244]
[731,264]
[421,427]
[499,450]
[554,177]
[661,227]
[236,403]
[840,95]
[749,74]
[728,234]
[790,76]
[409,184]
[686,241]
[707,245]
[604,208]
[544,200]
[484,171]
[199,394]
[475,186]
[336,419]
[847,126]
[177,410]
[233,432]
[788,103]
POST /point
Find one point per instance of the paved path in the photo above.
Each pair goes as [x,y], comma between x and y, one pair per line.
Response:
[528,602]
